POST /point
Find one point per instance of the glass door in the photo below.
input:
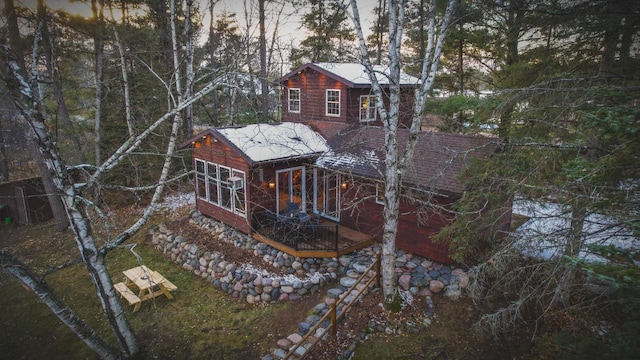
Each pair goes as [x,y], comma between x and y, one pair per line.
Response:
[327,194]
[290,188]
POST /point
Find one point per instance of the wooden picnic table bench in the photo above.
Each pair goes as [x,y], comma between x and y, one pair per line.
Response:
[147,282]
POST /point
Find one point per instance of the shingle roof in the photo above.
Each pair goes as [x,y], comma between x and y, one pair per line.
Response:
[354,74]
[270,142]
[359,149]
[438,160]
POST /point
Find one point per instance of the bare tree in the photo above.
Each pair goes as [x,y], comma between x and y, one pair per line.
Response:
[264,86]
[24,93]
[98,44]
[397,159]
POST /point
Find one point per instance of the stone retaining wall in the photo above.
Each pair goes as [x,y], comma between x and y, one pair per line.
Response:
[416,275]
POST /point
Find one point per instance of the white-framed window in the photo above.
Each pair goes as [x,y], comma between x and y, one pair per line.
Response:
[380,193]
[239,197]
[333,102]
[367,108]
[225,189]
[294,100]
[213,181]
[221,186]
[201,179]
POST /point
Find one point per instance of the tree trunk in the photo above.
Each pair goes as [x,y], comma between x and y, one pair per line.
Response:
[4,164]
[396,164]
[188,89]
[125,84]
[63,111]
[212,55]
[44,292]
[99,74]
[23,94]
[16,43]
[264,85]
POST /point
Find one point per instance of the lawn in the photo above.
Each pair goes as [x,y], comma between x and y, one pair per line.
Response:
[200,322]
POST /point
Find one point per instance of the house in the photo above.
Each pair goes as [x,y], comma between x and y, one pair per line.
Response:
[339,92]
[312,187]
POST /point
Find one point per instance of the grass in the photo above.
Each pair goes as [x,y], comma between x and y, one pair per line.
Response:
[200,322]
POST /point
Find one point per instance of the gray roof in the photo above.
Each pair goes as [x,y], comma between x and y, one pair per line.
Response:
[438,160]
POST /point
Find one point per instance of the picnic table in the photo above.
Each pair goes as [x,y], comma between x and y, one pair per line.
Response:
[147,283]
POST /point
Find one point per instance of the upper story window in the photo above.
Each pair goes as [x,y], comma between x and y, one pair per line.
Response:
[367,108]
[333,103]
[294,100]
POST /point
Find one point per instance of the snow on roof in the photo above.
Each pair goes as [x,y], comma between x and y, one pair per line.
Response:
[265,142]
[366,162]
[357,74]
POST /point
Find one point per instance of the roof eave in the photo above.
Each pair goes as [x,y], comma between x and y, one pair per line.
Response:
[315,67]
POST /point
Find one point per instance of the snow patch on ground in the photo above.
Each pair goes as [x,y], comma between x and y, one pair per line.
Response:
[176,201]
[548,228]
[288,277]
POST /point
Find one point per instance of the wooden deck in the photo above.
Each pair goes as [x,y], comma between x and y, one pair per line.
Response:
[349,240]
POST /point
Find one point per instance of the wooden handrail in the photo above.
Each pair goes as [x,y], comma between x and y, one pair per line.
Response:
[332,313]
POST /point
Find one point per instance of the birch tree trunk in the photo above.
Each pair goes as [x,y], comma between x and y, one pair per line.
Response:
[264,86]
[125,83]
[23,93]
[45,293]
[188,89]
[15,42]
[212,55]
[99,72]
[396,160]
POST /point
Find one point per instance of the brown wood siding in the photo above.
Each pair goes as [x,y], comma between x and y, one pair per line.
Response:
[417,238]
[238,222]
[219,153]
[406,107]
[367,217]
[313,86]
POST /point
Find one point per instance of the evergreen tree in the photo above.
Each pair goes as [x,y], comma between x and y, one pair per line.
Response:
[331,38]
[571,145]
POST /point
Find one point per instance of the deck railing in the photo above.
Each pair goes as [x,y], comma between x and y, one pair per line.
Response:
[296,234]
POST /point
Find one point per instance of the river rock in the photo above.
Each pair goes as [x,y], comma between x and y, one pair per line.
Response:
[452,292]
[462,277]
[436,286]
[404,281]
[347,281]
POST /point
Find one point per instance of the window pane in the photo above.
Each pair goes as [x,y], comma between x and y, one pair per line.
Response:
[239,199]
[201,181]
[333,102]
[294,100]
[212,180]
[367,108]
[225,189]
